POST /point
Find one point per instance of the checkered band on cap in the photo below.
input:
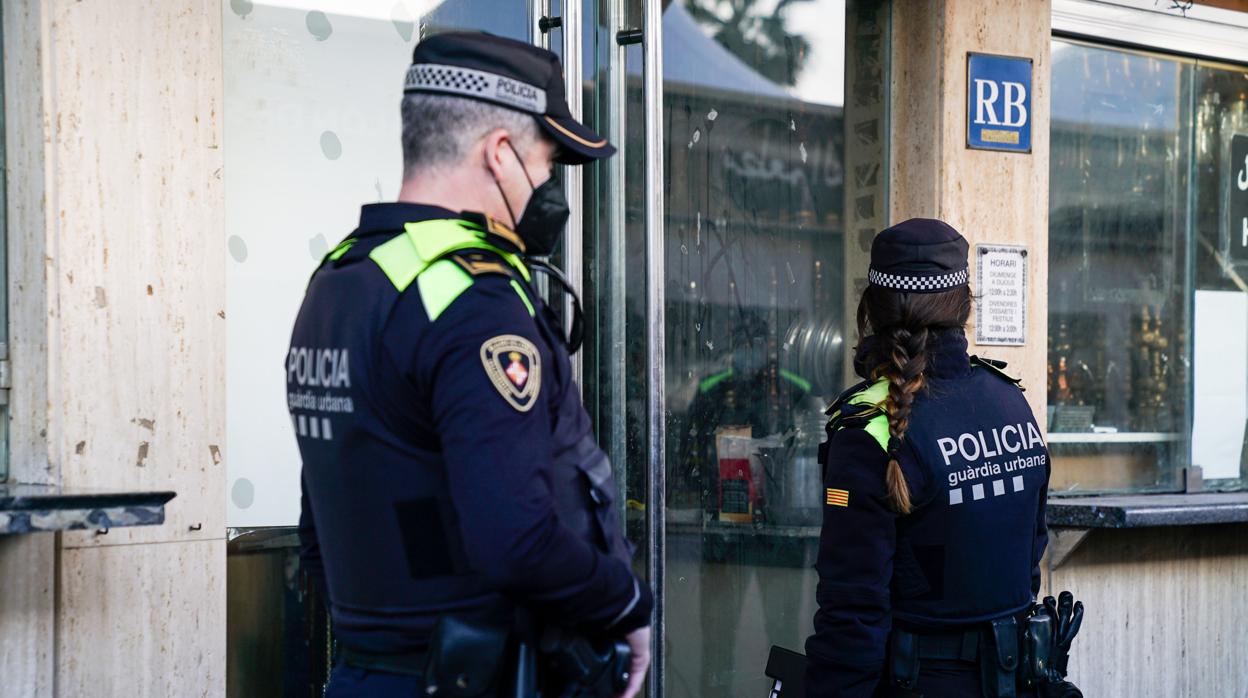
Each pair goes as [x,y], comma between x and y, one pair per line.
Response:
[478,84]
[920,284]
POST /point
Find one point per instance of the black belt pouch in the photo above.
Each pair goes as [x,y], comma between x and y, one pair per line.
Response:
[1000,661]
[466,660]
[903,666]
[1037,649]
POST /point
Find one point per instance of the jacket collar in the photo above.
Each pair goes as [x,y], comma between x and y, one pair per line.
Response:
[946,354]
[393,217]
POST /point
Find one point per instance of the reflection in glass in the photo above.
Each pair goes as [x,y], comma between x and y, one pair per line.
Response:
[754,150]
[1118,281]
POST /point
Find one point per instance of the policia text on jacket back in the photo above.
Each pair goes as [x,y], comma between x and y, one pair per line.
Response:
[935,477]
[453,493]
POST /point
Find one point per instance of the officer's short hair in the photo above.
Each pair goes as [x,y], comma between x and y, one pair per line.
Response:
[439,130]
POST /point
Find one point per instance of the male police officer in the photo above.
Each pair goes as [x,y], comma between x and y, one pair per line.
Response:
[449,469]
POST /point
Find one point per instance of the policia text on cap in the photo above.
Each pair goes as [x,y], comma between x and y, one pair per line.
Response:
[454,499]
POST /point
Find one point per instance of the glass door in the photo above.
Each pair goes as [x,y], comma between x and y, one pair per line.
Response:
[619,268]
[716,273]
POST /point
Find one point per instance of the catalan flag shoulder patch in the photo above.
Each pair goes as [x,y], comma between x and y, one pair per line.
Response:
[838,498]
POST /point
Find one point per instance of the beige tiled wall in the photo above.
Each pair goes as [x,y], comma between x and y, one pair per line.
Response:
[142,620]
[117,297]
[1165,611]
[27,574]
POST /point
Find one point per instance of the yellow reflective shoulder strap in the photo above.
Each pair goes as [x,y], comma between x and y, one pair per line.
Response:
[420,254]
[872,397]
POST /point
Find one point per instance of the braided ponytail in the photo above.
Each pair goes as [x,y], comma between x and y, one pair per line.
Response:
[901,324]
[904,372]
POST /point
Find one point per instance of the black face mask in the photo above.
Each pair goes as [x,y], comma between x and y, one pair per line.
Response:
[541,223]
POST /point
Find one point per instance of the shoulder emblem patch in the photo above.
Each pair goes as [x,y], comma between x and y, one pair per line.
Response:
[477,264]
[514,366]
[837,498]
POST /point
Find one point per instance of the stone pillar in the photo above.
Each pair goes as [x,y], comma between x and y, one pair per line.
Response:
[991,197]
[117,297]
[866,153]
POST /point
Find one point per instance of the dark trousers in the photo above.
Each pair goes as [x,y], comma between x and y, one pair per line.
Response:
[952,679]
[348,681]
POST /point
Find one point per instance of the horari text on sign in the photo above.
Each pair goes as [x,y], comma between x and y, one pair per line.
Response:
[1001,283]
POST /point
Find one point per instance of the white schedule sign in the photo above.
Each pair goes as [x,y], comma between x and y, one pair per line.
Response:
[1001,284]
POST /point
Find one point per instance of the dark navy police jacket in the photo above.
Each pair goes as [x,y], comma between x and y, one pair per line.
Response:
[448,464]
[978,471]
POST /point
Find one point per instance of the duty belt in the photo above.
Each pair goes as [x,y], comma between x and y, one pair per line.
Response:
[994,648]
[955,646]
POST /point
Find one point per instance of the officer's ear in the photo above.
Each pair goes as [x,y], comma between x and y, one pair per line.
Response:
[496,153]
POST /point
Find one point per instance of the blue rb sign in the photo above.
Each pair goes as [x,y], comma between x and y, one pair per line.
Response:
[998,102]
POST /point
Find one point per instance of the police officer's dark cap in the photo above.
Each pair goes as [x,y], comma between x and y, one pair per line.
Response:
[508,73]
[921,255]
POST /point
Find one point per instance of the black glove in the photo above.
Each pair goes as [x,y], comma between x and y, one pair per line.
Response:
[1067,615]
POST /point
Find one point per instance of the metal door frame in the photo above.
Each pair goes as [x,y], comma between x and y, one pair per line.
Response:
[652,85]
[571,28]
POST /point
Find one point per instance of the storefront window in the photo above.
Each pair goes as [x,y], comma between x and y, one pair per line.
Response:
[1220,220]
[1145,311]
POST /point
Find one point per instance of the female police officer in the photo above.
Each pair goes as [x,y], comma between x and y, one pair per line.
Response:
[935,473]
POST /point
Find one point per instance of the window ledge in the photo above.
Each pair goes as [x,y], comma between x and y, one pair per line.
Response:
[1146,510]
[1072,519]
[37,508]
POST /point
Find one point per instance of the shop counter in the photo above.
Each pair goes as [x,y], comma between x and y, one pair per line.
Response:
[1071,519]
